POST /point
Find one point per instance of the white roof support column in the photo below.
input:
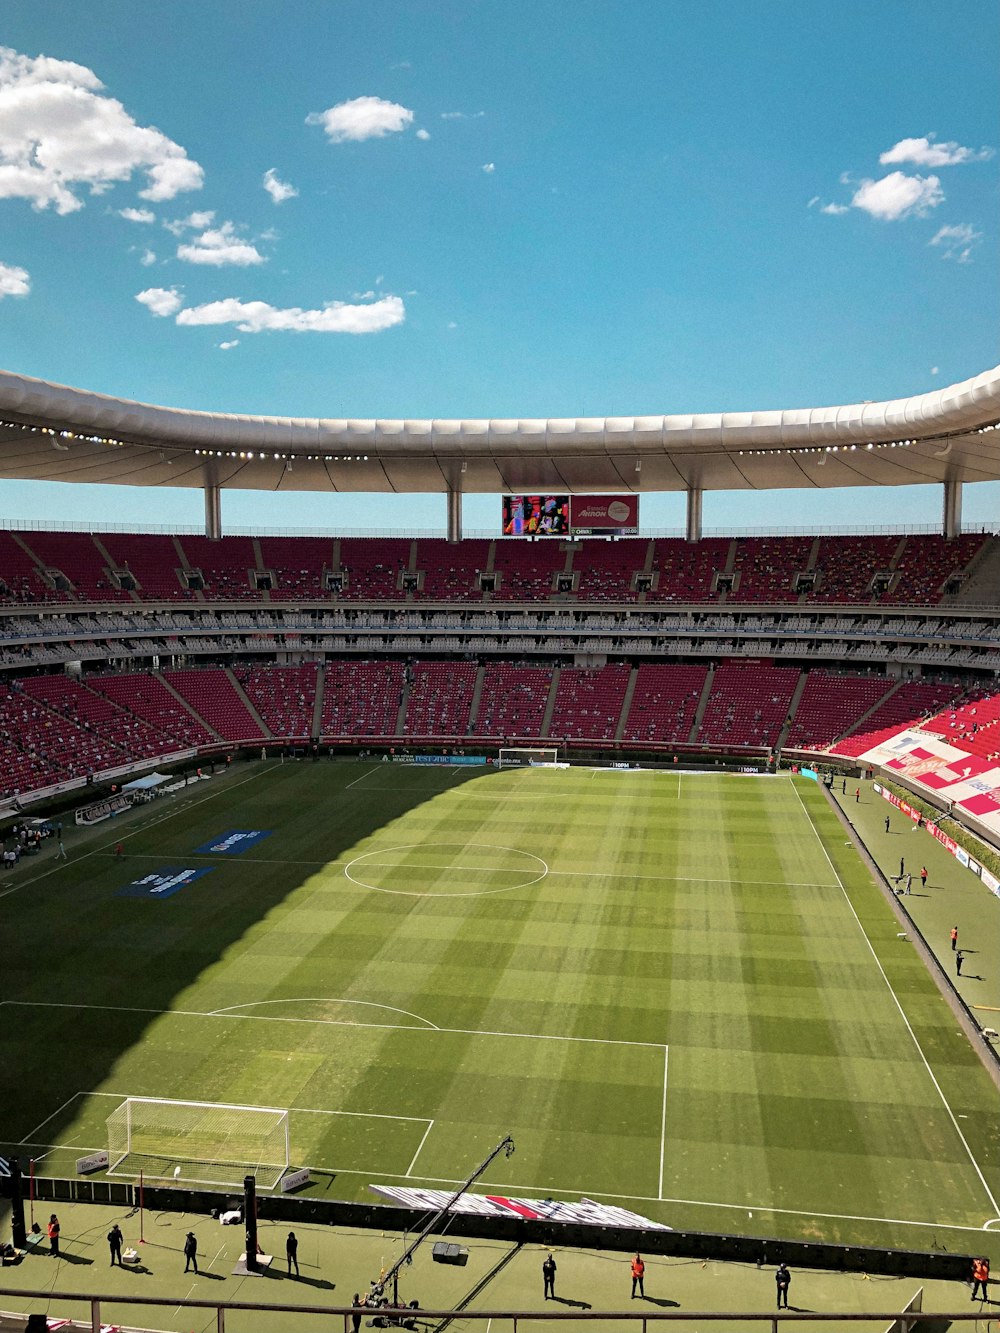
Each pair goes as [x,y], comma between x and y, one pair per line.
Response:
[213,502]
[693,524]
[454,514]
[951,524]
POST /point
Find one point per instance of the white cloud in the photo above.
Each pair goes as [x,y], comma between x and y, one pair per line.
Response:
[924,152]
[834,210]
[958,242]
[195,221]
[279,190]
[14,281]
[59,133]
[137,214]
[489,168]
[148,257]
[452,324]
[935,370]
[334,317]
[462,115]
[423,134]
[233,342]
[813,201]
[161,300]
[362,118]
[898,196]
[218,246]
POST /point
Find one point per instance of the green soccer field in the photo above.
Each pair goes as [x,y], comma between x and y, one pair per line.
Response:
[679,992]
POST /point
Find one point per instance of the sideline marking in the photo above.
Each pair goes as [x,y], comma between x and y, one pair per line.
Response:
[902,1011]
[430,1126]
[663,1120]
[366,774]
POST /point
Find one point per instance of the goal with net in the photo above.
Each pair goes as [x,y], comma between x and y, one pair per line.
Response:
[204,1143]
[512,756]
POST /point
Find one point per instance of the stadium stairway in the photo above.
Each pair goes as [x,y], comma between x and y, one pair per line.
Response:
[793,708]
[317,719]
[550,704]
[245,699]
[859,722]
[404,699]
[706,691]
[626,703]
[477,694]
[185,705]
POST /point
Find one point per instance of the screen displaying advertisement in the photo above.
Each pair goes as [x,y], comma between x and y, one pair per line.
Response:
[604,515]
[536,515]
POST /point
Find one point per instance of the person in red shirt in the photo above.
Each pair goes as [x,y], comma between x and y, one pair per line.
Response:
[53,1230]
[923,877]
[954,938]
[980,1277]
[638,1273]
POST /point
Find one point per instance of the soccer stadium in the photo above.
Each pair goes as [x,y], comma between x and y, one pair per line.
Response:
[408,928]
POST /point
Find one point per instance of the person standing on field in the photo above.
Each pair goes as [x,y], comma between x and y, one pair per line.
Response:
[638,1273]
[115,1239]
[549,1277]
[923,877]
[958,963]
[887,823]
[783,1280]
[53,1230]
[954,938]
[292,1252]
[190,1252]
[857,795]
[980,1277]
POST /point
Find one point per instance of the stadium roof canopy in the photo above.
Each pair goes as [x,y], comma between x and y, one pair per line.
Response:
[52,433]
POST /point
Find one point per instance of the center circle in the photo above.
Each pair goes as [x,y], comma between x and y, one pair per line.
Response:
[446,869]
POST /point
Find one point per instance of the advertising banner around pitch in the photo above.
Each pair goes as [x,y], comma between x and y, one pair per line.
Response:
[604,515]
[502,1205]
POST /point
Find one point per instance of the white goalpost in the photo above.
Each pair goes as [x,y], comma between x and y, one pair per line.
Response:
[528,756]
[203,1143]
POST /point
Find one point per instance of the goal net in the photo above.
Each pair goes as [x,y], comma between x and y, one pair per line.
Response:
[528,757]
[204,1143]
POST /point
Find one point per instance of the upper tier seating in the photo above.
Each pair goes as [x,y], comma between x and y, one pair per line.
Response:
[361,698]
[767,567]
[145,696]
[513,700]
[686,569]
[374,566]
[224,565]
[927,563]
[589,703]
[154,562]
[20,578]
[527,569]
[748,704]
[440,698]
[907,706]
[607,569]
[210,693]
[664,702]
[298,565]
[284,697]
[846,566]
[75,555]
[831,702]
[451,570]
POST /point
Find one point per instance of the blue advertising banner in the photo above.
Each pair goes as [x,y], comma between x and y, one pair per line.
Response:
[232,843]
[163,883]
[474,759]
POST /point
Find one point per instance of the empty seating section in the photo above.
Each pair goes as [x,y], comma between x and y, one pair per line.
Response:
[297,565]
[830,704]
[926,565]
[68,748]
[134,738]
[451,570]
[686,569]
[440,698]
[589,703]
[913,701]
[767,567]
[664,703]
[20,578]
[28,742]
[607,569]
[846,566]
[210,693]
[224,565]
[144,696]
[513,701]
[75,555]
[361,698]
[527,569]
[748,704]
[374,568]
[972,725]
[284,697]
[152,560]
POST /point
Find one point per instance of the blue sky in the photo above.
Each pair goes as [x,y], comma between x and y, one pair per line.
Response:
[492,208]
